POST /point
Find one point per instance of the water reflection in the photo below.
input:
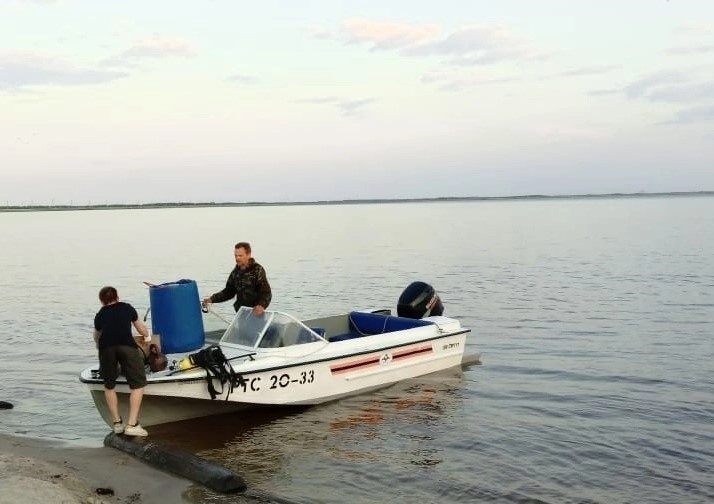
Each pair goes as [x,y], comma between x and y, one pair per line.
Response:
[321,453]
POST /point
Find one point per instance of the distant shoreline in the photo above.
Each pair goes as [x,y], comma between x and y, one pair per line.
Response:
[126,206]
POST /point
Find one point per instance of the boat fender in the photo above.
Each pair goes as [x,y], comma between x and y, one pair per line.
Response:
[180,463]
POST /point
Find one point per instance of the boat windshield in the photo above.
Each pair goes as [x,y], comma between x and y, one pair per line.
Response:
[272,329]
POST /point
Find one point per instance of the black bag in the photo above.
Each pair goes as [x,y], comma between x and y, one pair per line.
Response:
[156,360]
[217,366]
[210,356]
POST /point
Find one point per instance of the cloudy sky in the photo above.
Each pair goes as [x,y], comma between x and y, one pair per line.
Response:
[228,100]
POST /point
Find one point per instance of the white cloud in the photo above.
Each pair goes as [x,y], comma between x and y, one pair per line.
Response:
[693,115]
[387,35]
[347,107]
[687,50]
[159,47]
[242,79]
[352,107]
[319,32]
[154,47]
[641,87]
[320,100]
[466,46]
[479,45]
[20,70]
[569,132]
[696,29]
[684,93]
[605,92]
[455,81]
[676,87]
[591,70]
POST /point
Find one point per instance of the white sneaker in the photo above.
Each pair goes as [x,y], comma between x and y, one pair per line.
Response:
[135,430]
[118,427]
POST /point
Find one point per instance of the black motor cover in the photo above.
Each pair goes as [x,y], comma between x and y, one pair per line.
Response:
[419,300]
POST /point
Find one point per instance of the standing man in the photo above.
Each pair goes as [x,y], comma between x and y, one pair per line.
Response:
[247,282]
[116,345]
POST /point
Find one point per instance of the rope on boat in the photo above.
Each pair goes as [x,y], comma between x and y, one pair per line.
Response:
[207,309]
[204,308]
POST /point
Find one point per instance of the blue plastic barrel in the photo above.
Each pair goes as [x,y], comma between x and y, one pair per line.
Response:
[176,316]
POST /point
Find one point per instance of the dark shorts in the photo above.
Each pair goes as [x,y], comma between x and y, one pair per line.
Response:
[132,366]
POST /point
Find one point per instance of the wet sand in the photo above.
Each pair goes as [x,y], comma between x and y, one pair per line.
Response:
[41,471]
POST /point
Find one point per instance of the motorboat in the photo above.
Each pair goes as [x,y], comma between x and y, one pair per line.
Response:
[275,359]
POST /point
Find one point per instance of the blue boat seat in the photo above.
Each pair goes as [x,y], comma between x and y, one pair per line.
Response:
[307,336]
[376,323]
[271,339]
[367,324]
[343,337]
[319,330]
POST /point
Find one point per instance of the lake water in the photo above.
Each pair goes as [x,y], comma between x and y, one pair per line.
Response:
[594,319]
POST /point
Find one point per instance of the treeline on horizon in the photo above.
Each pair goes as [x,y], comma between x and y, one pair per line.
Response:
[179,204]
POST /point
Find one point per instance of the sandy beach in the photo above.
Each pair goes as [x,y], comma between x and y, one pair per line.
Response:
[41,471]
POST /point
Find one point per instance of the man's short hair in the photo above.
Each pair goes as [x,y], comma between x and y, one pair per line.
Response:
[243,245]
[108,295]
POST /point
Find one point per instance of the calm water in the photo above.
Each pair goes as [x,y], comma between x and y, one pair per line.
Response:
[594,319]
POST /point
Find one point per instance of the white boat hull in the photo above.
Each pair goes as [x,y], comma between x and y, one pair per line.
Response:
[156,410]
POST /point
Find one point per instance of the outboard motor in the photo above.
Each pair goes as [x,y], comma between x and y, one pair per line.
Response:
[419,300]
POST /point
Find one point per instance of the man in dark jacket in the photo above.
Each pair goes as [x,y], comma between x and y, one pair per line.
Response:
[247,282]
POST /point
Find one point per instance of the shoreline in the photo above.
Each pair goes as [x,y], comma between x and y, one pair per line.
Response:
[36,470]
[443,199]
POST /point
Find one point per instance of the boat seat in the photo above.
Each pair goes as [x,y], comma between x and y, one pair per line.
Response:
[271,339]
[343,337]
[307,336]
[319,330]
[376,323]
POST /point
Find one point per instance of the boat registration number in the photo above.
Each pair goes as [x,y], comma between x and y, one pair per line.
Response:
[278,381]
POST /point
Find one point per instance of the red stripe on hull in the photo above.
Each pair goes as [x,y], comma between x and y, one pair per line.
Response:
[375,360]
[355,365]
[411,352]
